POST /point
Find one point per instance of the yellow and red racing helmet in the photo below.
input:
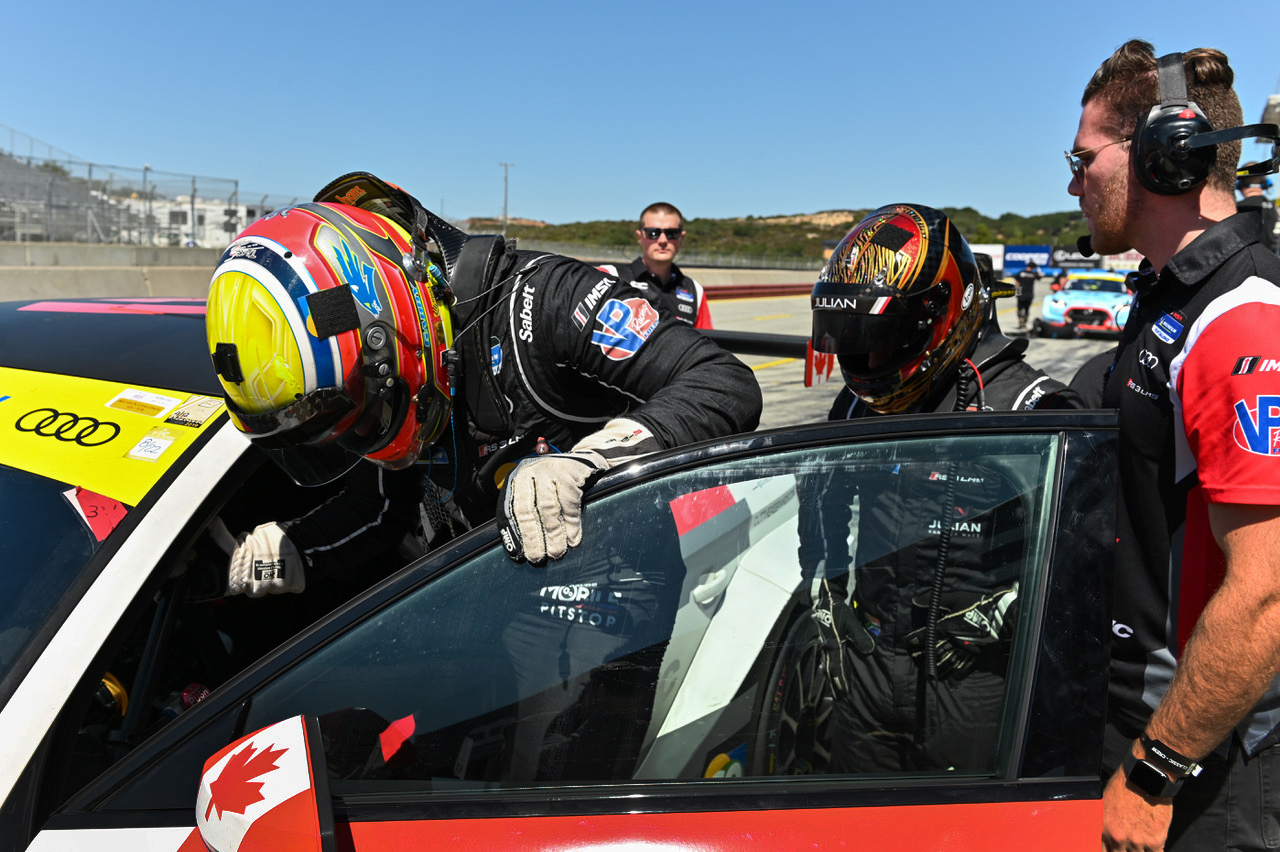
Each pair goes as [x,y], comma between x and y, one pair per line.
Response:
[900,304]
[328,334]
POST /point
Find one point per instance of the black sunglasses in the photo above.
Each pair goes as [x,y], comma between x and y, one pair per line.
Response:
[672,233]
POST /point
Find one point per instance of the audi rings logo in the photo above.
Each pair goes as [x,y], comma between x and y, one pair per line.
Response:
[65,426]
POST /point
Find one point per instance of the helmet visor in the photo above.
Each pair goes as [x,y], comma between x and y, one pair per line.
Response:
[309,419]
[870,345]
[310,466]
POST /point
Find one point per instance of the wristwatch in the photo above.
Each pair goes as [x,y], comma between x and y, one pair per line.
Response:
[1169,760]
[1149,779]
[1152,774]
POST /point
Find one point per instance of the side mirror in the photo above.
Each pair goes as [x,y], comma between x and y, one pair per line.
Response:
[1055,286]
[268,790]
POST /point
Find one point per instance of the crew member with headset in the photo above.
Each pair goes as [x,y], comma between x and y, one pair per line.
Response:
[1191,755]
[475,380]
[903,307]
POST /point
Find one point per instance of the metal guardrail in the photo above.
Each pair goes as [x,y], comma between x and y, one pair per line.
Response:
[760,343]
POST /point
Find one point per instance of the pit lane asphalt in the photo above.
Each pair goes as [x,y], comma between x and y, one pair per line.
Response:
[787,402]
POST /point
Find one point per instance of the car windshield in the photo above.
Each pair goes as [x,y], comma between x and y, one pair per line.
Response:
[46,538]
[1096,285]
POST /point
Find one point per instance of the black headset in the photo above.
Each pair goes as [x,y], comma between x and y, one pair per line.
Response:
[1174,145]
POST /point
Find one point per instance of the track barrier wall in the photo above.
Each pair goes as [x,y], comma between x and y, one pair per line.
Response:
[78,270]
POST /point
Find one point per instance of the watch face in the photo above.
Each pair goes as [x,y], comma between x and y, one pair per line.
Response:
[1151,780]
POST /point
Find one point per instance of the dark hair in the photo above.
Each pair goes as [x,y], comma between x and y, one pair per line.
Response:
[1126,83]
[664,208]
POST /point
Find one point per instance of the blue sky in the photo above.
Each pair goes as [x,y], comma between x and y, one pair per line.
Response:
[723,109]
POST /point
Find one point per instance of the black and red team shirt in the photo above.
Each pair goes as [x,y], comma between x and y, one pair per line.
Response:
[1197,383]
[679,296]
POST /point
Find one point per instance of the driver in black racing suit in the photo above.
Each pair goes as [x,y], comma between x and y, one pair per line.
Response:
[916,656]
[512,379]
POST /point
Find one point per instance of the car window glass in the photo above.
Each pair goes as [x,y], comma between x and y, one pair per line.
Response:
[184,638]
[678,641]
[42,531]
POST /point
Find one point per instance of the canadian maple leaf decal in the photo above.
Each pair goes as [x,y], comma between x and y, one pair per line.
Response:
[235,788]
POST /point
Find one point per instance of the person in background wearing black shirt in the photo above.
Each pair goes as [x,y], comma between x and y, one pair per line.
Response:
[654,272]
[1025,281]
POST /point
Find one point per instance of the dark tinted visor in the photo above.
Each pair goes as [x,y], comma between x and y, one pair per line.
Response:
[869,344]
[305,420]
[314,465]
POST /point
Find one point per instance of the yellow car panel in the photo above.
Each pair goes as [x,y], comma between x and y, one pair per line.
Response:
[113,439]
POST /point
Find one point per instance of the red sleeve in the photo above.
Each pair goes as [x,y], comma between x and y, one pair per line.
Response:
[704,312]
[1229,387]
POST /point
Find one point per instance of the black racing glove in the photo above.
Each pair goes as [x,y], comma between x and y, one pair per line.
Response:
[961,636]
[839,629]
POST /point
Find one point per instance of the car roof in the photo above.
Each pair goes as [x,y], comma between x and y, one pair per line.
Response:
[153,341]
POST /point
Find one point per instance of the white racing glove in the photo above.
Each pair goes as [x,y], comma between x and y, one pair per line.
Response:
[540,507]
[265,562]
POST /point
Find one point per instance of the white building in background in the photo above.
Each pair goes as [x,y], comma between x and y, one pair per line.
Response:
[187,221]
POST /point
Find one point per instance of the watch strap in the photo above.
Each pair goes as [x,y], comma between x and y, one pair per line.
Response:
[1149,778]
[1171,762]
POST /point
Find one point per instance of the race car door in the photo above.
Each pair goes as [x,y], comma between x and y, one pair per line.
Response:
[894,632]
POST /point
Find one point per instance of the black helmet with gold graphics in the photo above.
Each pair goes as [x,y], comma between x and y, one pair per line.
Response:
[900,304]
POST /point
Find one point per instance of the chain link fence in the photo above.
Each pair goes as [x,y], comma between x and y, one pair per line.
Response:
[48,195]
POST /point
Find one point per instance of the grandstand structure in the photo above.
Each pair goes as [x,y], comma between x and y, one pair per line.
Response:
[47,195]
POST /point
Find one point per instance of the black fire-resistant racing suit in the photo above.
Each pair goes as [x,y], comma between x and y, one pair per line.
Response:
[894,716]
[551,349]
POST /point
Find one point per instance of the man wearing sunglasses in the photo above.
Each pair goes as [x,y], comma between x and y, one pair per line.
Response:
[1191,737]
[655,273]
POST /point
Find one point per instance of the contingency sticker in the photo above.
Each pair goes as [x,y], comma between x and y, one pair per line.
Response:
[94,434]
[152,445]
[195,411]
[142,402]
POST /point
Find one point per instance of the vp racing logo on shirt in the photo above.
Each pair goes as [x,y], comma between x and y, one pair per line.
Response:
[626,325]
[1257,429]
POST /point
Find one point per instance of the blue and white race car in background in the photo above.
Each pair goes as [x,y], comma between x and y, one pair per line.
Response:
[1090,301]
